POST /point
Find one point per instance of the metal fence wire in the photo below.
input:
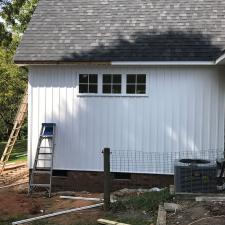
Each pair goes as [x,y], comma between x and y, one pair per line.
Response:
[197,172]
[130,161]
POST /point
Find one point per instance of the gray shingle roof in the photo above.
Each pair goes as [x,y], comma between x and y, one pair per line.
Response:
[124,30]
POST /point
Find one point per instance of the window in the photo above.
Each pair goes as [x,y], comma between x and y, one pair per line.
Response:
[108,84]
[111,84]
[88,83]
[136,84]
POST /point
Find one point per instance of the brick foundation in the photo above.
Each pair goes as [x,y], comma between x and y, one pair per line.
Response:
[94,181]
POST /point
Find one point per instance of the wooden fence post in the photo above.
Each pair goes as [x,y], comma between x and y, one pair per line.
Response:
[106,154]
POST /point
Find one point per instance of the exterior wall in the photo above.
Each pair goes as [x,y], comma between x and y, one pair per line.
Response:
[184,111]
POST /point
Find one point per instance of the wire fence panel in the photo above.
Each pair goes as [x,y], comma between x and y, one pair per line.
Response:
[129,161]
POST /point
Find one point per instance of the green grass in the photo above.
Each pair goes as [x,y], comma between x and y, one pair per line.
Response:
[133,218]
[9,220]
[139,210]
[148,201]
[19,151]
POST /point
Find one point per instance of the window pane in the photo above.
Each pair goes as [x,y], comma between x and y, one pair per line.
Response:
[83,78]
[93,88]
[116,89]
[141,79]
[93,78]
[140,89]
[83,88]
[131,78]
[130,89]
[106,78]
[117,79]
[106,89]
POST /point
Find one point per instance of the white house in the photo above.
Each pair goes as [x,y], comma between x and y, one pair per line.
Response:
[136,76]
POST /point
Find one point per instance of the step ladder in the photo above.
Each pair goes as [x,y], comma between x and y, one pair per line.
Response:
[18,122]
[43,163]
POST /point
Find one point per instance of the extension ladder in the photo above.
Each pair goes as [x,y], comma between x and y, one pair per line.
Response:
[43,163]
[19,119]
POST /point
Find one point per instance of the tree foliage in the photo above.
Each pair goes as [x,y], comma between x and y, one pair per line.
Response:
[17,14]
[14,18]
[12,85]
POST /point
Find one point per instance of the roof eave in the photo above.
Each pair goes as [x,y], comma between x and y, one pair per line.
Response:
[29,63]
[163,63]
[119,63]
[221,60]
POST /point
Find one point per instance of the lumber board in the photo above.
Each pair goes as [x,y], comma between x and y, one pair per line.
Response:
[210,199]
[161,219]
[57,214]
[109,222]
[81,198]
[13,185]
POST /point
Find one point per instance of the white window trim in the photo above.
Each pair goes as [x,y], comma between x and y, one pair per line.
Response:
[123,87]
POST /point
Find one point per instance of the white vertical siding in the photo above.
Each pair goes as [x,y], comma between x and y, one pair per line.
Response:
[184,111]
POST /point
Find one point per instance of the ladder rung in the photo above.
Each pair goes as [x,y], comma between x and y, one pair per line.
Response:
[14,137]
[44,159]
[45,147]
[43,168]
[10,145]
[46,136]
[18,120]
[40,185]
[17,128]
[42,172]
[45,153]
[8,153]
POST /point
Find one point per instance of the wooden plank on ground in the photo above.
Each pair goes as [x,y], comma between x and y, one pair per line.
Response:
[81,198]
[56,214]
[161,220]
[210,199]
[13,185]
[109,222]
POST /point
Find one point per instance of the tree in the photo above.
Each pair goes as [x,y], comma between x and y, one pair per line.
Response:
[17,14]
[13,81]
[14,18]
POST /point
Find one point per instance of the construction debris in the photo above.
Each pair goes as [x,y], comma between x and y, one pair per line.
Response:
[172,207]
[13,173]
[81,198]
[129,192]
[13,185]
[161,220]
[205,218]
[109,222]
[56,214]
[210,199]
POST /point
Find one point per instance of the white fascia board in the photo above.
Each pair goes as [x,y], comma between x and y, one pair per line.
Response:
[163,63]
[221,60]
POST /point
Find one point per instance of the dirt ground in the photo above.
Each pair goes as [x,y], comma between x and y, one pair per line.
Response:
[16,205]
[192,211]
